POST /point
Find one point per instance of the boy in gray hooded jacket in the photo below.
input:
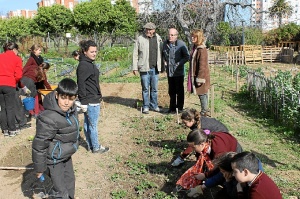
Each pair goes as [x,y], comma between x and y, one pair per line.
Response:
[56,139]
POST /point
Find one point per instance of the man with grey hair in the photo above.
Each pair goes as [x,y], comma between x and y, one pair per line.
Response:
[147,61]
[175,55]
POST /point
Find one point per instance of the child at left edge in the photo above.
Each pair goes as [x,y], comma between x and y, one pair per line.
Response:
[56,139]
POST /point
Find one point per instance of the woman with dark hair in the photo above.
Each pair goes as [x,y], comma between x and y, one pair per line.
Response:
[192,118]
[89,94]
[209,146]
[10,75]
[32,74]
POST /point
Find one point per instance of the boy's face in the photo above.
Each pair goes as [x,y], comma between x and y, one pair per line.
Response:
[65,102]
[239,176]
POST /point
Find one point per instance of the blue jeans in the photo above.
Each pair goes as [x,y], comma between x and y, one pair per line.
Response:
[149,81]
[91,118]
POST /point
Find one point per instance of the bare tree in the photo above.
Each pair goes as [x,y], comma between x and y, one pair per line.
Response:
[187,15]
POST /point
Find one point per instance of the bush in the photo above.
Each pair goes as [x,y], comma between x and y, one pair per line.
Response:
[115,54]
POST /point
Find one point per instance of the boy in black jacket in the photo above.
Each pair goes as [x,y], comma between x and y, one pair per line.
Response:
[56,139]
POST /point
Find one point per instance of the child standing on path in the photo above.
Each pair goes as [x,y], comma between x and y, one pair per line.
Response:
[56,139]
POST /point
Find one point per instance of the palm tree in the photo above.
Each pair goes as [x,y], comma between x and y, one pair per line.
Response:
[280,9]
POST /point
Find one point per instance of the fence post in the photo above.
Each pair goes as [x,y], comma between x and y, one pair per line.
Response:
[212,109]
[237,79]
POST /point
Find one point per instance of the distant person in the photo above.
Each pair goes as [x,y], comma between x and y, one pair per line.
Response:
[42,81]
[76,54]
[199,75]
[147,61]
[10,75]
[89,94]
[258,184]
[56,139]
[175,55]
[30,75]
[191,118]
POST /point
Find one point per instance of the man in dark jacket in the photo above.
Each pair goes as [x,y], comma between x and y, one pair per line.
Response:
[175,55]
[56,139]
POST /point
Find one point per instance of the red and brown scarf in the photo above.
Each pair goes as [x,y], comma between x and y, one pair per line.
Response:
[188,180]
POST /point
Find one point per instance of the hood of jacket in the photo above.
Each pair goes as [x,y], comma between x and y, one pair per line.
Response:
[50,103]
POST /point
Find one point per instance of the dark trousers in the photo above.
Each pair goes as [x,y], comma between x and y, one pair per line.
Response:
[7,103]
[176,92]
[20,111]
[63,179]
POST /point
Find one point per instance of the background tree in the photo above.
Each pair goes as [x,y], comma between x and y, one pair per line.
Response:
[125,20]
[95,19]
[189,14]
[56,20]
[15,28]
[280,9]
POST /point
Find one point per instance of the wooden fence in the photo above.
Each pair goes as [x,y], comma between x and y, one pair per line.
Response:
[249,54]
[273,97]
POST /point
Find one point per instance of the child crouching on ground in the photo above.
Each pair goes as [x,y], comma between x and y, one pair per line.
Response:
[192,118]
[209,146]
[259,185]
[56,139]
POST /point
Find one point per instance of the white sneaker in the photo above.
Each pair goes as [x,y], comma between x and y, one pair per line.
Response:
[177,162]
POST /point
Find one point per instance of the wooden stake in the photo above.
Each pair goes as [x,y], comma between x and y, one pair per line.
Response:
[16,168]
[177,115]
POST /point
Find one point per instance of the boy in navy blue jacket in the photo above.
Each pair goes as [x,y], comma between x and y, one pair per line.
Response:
[56,139]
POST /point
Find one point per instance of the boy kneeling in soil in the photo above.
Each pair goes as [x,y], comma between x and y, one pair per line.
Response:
[56,139]
[259,185]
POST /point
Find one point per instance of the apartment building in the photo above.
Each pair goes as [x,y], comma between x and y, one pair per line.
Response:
[67,3]
[24,13]
[261,17]
[141,6]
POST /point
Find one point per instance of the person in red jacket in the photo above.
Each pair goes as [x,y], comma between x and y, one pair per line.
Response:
[32,74]
[10,75]
[259,185]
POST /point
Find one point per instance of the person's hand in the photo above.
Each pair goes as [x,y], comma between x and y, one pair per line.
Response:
[26,90]
[199,84]
[84,108]
[135,72]
[38,175]
[200,176]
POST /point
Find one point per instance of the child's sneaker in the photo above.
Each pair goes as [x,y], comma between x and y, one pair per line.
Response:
[12,133]
[5,132]
[177,162]
[101,150]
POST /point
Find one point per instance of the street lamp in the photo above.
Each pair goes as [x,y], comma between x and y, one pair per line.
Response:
[243,34]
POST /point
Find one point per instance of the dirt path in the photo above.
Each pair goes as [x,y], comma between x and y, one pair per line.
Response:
[91,170]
